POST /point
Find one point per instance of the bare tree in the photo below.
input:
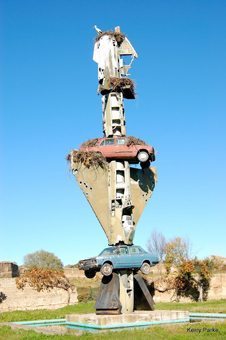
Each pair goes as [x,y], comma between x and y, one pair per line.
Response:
[156,244]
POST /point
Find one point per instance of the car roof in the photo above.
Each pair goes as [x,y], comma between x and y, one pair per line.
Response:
[123,246]
[113,137]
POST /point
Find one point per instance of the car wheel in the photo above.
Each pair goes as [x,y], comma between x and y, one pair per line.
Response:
[145,268]
[143,156]
[106,269]
[90,273]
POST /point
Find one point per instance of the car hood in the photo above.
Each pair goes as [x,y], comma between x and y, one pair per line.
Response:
[89,259]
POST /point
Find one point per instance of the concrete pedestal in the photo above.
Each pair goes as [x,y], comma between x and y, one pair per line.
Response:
[135,319]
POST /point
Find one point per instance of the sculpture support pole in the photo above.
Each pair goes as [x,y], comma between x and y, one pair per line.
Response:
[126,291]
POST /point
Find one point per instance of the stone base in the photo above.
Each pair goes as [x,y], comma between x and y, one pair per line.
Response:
[135,319]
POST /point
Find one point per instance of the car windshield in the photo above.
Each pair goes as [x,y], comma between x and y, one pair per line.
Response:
[107,251]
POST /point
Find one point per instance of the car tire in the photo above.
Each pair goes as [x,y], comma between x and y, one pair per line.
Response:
[143,156]
[106,269]
[145,268]
[90,274]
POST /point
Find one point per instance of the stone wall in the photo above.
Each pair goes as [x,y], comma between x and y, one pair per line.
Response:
[73,272]
[217,287]
[17,299]
[8,269]
[217,290]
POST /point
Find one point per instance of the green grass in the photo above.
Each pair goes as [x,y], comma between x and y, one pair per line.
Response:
[211,306]
[42,314]
[203,330]
[155,332]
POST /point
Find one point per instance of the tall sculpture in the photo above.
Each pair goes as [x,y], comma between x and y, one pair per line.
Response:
[116,190]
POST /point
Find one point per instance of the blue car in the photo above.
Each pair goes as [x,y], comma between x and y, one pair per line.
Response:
[118,257]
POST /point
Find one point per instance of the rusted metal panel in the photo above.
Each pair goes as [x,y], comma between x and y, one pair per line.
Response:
[108,299]
[146,293]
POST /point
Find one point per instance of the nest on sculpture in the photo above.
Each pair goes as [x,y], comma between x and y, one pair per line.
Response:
[90,159]
[124,85]
[119,37]
[118,84]
[134,141]
[90,142]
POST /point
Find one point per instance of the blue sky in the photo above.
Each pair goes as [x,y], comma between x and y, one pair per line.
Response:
[50,105]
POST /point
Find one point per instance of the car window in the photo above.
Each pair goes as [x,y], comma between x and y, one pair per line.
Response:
[109,141]
[142,250]
[123,251]
[121,141]
[115,251]
[135,250]
[107,251]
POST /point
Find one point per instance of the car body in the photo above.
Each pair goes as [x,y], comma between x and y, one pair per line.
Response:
[119,257]
[119,148]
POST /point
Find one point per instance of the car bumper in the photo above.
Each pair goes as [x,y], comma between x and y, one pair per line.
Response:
[87,265]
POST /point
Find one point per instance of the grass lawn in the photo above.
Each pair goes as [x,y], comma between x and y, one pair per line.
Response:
[42,314]
[199,330]
[211,306]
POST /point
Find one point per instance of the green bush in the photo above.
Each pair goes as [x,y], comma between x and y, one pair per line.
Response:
[42,259]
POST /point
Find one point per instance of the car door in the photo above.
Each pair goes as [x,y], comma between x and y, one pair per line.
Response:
[123,258]
[106,147]
[136,256]
[122,150]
